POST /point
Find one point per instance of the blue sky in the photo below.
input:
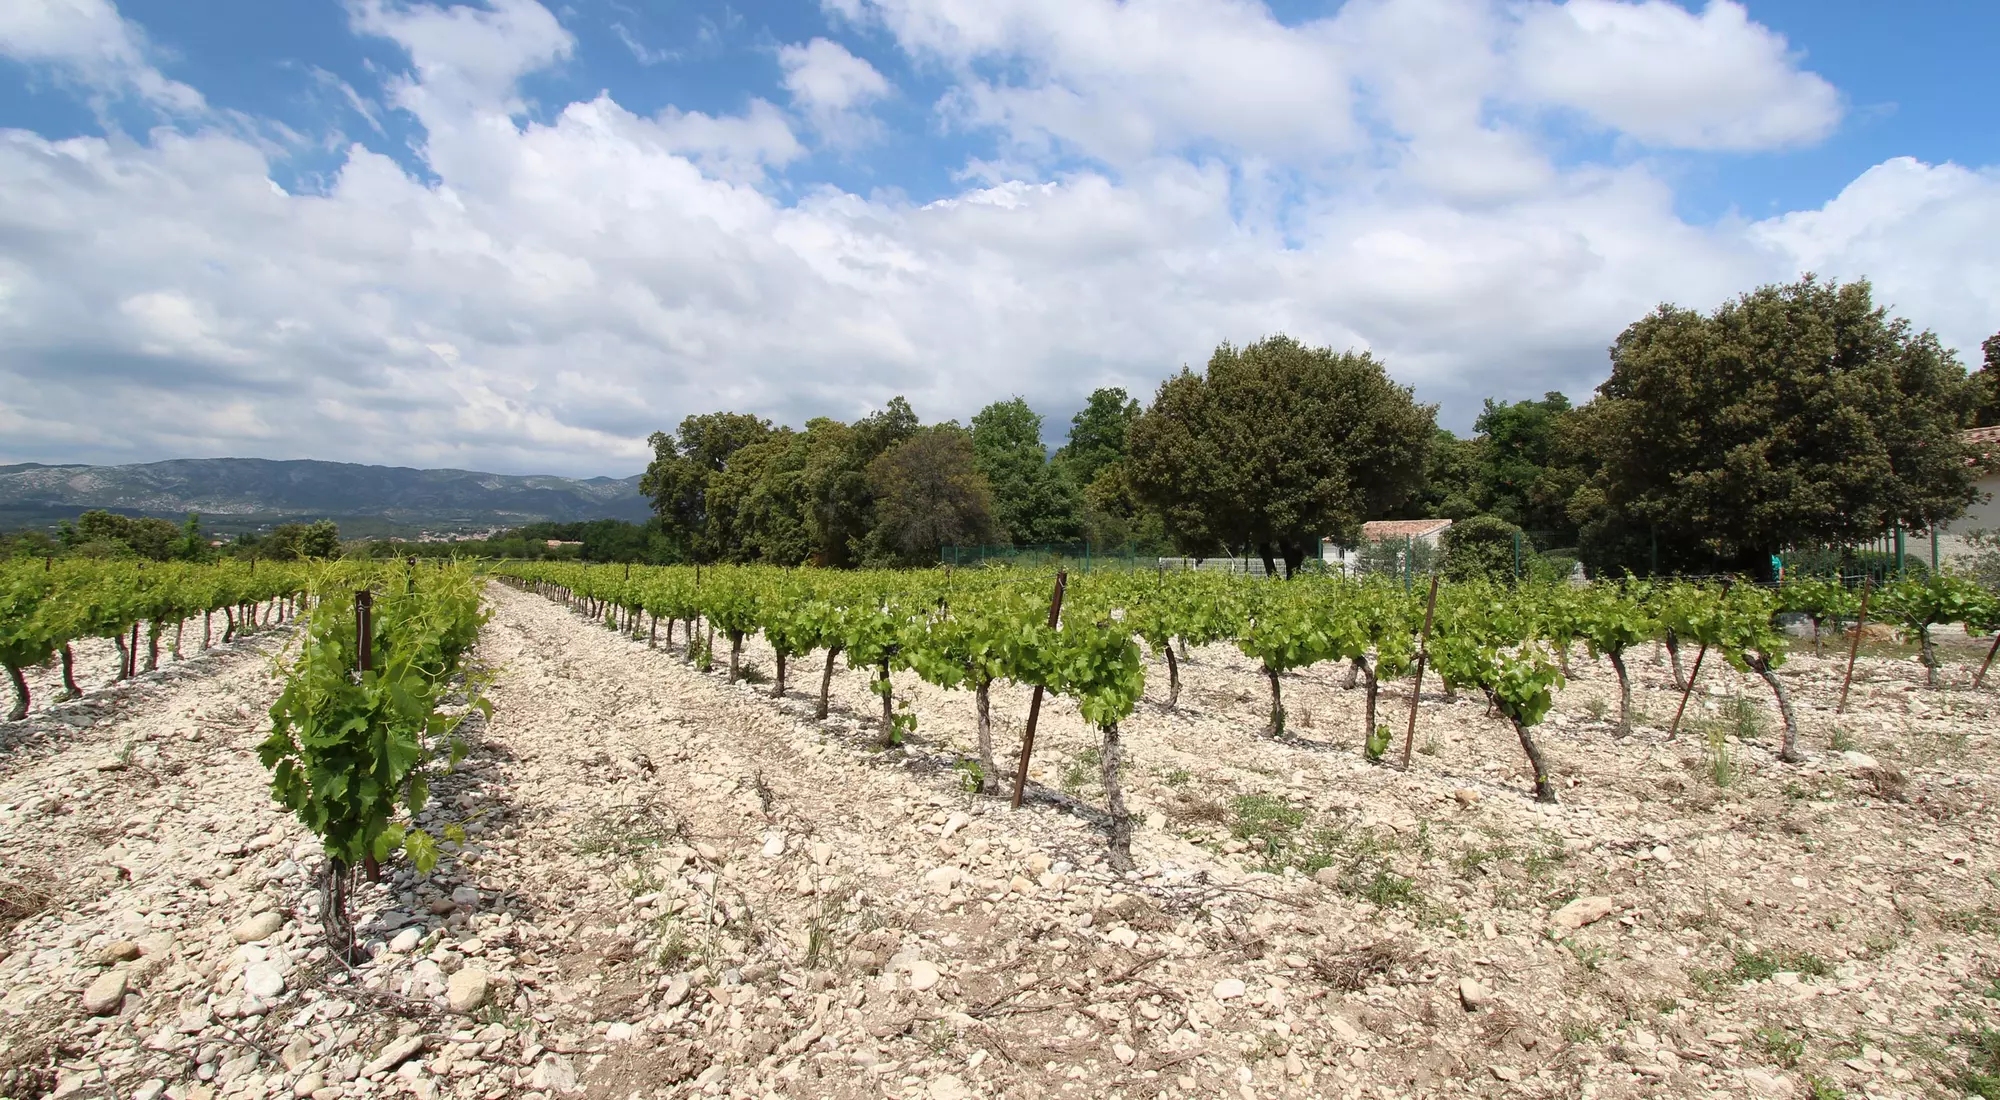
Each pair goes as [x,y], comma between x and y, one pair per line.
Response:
[519,236]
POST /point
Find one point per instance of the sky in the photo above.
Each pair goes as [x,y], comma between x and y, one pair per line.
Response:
[521,237]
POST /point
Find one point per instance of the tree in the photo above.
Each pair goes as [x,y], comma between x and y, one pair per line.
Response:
[678,477]
[1278,445]
[758,504]
[1520,478]
[840,505]
[1482,546]
[929,495]
[1097,435]
[1794,415]
[1453,485]
[1986,386]
[1033,502]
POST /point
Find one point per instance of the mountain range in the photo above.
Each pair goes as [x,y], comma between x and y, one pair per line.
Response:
[242,494]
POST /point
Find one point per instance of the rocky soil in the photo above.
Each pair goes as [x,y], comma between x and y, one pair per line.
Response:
[675,886]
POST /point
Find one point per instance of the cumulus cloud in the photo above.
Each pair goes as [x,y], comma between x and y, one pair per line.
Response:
[551,292]
[87,40]
[833,87]
[1669,77]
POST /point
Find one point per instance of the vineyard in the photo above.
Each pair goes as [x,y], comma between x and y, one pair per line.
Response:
[743,830]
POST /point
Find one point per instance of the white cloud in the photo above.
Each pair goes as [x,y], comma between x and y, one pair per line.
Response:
[834,89]
[89,41]
[1669,77]
[561,289]
[1124,80]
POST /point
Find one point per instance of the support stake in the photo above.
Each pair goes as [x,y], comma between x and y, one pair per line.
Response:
[1417,685]
[1693,673]
[1035,700]
[1854,647]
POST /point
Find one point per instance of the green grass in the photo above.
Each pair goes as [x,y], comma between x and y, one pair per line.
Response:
[1981,920]
[1779,1044]
[1819,1088]
[1981,1076]
[1083,771]
[1761,965]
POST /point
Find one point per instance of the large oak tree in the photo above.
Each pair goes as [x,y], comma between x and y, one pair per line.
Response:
[1794,415]
[1277,445]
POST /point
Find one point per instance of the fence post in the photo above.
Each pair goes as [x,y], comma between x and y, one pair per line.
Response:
[1899,551]
[1035,701]
[1934,563]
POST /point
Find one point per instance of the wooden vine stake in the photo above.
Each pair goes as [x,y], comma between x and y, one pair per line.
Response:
[1854,647]
[1035,700]
[1417,685]
[364,629]
[1693,673]
[1987,663]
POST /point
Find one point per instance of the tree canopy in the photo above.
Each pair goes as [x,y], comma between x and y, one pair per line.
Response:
[1793,415]
[1277,445]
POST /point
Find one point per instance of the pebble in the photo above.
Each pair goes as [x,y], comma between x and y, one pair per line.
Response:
[467,989]
[406,941]
[263,981]
[122,951]
[105,994]
[1473,994]
[1229,989]
[1582,911]
[1123,1053]
[256,928]
[947,1086]
[464,895]
[923,975]
[396,1053]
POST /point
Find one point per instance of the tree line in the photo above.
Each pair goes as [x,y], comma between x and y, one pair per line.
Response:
[1794,415]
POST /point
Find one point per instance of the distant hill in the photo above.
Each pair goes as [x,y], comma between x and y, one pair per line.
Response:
[235,494]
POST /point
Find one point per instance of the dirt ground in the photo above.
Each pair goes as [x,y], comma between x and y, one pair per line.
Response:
[676,886]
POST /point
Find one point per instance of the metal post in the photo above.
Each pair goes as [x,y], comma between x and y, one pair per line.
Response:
[1899,550]
[1934,562]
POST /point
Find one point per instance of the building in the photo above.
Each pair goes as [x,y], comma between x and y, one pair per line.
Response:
[1983,514]
[1406,532]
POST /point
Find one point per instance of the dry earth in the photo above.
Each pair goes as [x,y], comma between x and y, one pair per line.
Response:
[676,886]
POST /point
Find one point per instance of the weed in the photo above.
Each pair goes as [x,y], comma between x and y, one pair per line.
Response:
[1430,747]
[1548,854]
[1589,957]
[1819,1088]
[1581,1031]
[751,674]
[1981,1076]
[938,1036]
[674,948]
[1841,740]
[1779,1044]
[1268,1044]
[1178,778]
[1741,717]
[1754,966]
[1082,771]
[1716,756]
[626,832]
[1596,707]
[1983,919]
[971,776]
[1473,858]
[1266,816]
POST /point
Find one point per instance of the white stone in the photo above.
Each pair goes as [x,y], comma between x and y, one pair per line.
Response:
[923,975]
[954,823]
[947,1086]
[1582,911]
[263,981]
[1123,1053]
[151,1090]
[940,880]
[1473,994]
[258,927]
[554,1072]
[465,895]
[467,989]
[774,845]
[1229,989]
[105,994]
[406,941]
[1858,759]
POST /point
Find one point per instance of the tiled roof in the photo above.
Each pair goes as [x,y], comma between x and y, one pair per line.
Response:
[1985,444]
[1401,528]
